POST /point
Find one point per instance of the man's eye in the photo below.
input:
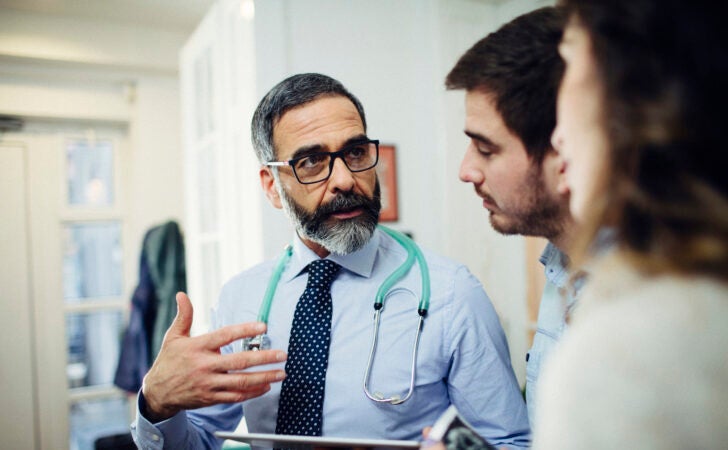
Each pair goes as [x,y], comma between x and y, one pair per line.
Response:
[311,161]
[356,152]
[483,150]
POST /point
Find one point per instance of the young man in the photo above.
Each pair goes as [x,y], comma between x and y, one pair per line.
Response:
[317,164]
[511,79]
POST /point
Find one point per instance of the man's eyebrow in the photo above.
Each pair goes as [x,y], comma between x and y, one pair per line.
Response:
[358,139]
[306,150]
[318,148]
[482,139]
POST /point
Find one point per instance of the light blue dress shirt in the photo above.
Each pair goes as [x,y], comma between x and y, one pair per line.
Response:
[556,300]
[463,354]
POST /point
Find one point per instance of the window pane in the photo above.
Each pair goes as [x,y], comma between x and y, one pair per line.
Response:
[204,94]
[207,177]
[93,347]
[90,172]
[92,419]
[92,260]
[211,269]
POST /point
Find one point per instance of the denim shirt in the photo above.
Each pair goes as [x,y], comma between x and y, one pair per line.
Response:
[556,300]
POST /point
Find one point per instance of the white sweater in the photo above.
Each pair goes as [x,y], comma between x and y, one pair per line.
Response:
[644,365]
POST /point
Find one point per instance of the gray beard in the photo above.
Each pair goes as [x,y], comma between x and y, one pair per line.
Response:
[340,237]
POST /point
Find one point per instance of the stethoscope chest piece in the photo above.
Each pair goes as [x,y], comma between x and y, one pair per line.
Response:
[255,343]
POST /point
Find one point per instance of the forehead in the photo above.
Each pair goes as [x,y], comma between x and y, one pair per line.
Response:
[482,118]
[326,122]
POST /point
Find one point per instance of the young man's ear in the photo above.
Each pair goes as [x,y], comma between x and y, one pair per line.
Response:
[269,186]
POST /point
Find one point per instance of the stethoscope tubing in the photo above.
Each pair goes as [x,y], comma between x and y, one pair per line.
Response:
[414,254]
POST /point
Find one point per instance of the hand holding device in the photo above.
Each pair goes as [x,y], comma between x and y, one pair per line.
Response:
[453,432]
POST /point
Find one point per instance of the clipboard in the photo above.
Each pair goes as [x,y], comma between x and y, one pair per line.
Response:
[312,442]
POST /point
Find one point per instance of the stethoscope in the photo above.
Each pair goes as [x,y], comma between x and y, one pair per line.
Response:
[414,253]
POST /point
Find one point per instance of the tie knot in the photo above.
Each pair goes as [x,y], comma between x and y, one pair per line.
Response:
[322,272]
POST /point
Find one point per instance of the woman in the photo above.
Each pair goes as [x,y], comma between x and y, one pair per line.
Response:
[641,128]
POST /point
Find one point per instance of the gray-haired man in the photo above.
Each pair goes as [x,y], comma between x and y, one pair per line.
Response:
[317,164]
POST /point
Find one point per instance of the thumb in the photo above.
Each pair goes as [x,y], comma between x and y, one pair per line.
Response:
[183,320]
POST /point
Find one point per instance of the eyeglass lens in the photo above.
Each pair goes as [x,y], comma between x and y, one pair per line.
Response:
[317,167]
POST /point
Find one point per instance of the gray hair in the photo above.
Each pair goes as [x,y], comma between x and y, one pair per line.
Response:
[292,92]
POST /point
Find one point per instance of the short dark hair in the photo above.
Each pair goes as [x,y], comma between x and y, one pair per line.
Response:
[520,64]
[294,91]
[664,70]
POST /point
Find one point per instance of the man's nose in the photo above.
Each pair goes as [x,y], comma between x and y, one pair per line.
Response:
[341,178]
[469,172]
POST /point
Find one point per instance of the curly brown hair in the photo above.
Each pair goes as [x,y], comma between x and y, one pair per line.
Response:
[665,73]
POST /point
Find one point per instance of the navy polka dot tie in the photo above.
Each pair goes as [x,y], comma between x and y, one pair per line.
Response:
[300,408]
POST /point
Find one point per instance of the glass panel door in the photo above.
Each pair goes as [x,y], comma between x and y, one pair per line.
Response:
[93,290]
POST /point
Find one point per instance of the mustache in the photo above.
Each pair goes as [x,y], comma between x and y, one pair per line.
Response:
[485,197]
[344,202]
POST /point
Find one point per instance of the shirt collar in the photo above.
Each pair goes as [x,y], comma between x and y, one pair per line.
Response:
[555,263]
[360,262]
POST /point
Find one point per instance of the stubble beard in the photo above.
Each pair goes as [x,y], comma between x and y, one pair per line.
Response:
[536,214]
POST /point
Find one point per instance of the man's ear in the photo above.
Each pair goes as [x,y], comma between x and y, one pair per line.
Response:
[268,183]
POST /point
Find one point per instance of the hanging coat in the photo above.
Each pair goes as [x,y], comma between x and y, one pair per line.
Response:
[153,307]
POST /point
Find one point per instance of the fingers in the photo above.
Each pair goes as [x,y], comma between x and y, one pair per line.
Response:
[238,396]
[230,333]
[183,320]
[244,360]
[247,381]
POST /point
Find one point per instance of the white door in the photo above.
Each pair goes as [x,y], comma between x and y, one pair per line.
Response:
[17,387]
[62,189]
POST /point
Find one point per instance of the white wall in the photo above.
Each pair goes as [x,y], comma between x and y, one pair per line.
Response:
[394,57]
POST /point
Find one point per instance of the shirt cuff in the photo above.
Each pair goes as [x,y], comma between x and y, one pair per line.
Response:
[169,433]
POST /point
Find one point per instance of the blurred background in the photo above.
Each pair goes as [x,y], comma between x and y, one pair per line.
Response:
[119,115]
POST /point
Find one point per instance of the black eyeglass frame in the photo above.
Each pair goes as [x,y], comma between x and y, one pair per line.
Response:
[333,156]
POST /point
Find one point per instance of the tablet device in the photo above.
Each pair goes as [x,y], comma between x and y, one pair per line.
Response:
[311,442]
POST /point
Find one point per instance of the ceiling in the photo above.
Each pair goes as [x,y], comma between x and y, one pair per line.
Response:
[173,15]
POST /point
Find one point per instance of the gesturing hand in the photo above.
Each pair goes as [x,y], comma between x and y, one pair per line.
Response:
[190,372]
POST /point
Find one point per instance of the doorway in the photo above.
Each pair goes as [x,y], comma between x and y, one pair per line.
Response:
[65,296]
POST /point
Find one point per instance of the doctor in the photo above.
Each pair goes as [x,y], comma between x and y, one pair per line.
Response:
[317,164]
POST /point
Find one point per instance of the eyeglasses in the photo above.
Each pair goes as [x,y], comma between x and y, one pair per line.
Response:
[317,167]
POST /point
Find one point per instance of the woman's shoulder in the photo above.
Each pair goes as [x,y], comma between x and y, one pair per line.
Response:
[616,288]
[629,342]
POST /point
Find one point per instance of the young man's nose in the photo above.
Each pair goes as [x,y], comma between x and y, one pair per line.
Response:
[469,172]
